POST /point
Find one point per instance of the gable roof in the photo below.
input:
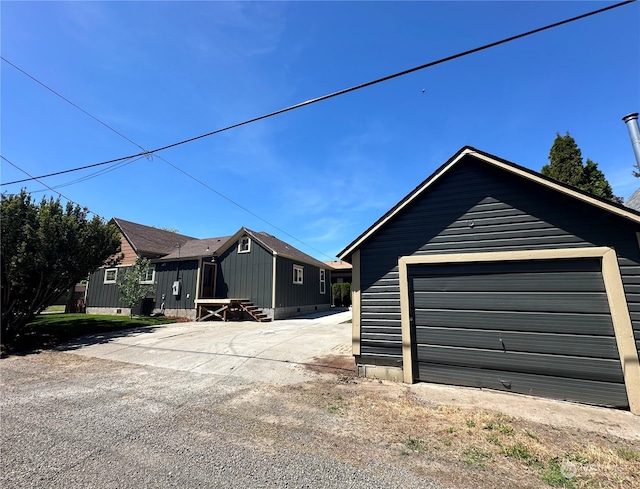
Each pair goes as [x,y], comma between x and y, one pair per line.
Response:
[147,240]
[633,202]
[520,171]
[339,265]
[196,248]
[274,245]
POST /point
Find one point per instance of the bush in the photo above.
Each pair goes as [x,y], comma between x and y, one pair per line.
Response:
[341,294]
[345,289]
[336,295]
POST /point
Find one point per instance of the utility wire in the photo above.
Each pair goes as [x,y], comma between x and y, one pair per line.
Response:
[71,103]
[118,165]
[86,209]
[342,92]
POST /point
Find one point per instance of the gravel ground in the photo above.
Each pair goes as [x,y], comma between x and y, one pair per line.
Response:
[70,421]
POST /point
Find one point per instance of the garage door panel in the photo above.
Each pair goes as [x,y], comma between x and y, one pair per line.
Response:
[513,282]
[503,341]
[556,365]
[584,302]
[508,267]
[588,391]
[542,322]
[381,349]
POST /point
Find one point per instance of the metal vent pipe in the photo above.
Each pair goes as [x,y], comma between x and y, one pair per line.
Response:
[631,121]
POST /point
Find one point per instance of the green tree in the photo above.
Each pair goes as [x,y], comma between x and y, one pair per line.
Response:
[132,291]
[565,165]
[46,248]
[594,181]
[565,161]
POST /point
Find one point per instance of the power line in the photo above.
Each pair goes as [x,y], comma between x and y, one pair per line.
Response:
[71,103]
[342,92]
[118,165]
[86,209]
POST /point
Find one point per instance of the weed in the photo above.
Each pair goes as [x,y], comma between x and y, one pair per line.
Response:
[505,429]
[557,475]
[470,423]
[488,426]
[446,442]
[451,429]
[628,454]
[476,456]
[521,452]
[334,409]
[415,444]
[493,438]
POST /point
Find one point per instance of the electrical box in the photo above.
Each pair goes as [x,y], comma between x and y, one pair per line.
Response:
[175,289]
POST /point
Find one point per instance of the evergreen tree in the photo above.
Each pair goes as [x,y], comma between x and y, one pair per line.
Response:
[565,165]
[594,181]
[565,161]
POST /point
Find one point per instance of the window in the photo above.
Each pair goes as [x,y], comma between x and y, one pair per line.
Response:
[297,274]
[322,282]
[244,245]
[149,275]
[110,275]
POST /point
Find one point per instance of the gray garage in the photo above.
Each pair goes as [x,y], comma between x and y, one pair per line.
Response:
[491,275]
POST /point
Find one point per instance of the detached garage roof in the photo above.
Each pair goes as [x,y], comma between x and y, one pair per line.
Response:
[486,158]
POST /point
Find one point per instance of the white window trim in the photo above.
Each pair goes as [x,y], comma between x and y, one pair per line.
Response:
[153,275]
[248,239]
[115,276]
[298,278]
[323,283]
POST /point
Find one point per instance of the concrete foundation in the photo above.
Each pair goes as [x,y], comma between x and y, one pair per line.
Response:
[380,372]
[120,311]
[287,312]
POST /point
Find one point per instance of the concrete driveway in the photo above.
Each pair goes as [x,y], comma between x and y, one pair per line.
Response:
[275,352]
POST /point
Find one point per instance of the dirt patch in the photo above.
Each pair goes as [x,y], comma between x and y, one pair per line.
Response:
[335,364]
[359,420]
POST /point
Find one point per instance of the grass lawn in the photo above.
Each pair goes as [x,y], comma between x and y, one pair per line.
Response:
[50,330]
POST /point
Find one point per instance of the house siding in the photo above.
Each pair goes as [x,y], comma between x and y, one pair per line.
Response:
[308,293]
[246,275]
[166,274]
[473,209]
[101,295]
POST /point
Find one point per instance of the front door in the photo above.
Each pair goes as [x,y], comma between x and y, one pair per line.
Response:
[208,281]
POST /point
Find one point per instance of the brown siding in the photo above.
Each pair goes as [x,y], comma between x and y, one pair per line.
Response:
[129,254]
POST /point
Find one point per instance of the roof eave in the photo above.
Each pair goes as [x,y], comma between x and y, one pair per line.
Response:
[513,168]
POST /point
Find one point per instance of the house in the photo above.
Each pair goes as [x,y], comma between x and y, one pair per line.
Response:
[247,274]
[491,275]
[340,271]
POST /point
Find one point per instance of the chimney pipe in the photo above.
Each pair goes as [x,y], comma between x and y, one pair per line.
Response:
[631,121]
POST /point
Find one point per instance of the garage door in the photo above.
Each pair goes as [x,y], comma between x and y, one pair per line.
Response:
[539,327]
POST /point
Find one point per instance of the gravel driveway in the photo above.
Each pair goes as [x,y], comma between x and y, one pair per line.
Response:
[147,411]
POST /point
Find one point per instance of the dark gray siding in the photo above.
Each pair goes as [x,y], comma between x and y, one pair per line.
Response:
[100,294]
[246,275]
[511,325]
[167,273]
[289,294]
[478,208]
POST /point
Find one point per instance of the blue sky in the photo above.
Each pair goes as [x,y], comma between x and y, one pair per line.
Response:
[161,72]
